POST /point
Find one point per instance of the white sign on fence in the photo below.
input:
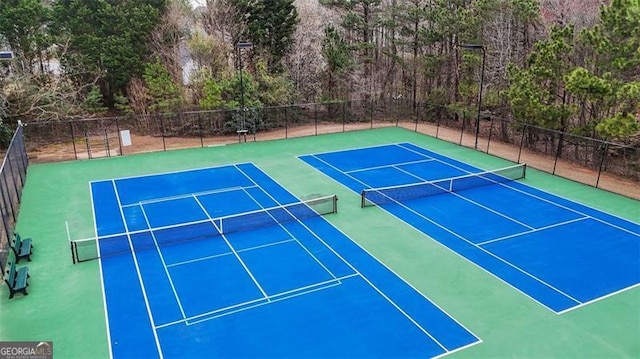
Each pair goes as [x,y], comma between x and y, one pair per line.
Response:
[125,138]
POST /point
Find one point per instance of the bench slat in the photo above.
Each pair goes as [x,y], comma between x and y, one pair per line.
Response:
[17,280]
[22,247]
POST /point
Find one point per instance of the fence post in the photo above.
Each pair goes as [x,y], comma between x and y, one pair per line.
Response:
[286,124]
[106,138]
[164,145]
[343,115]
[6,207]
[315,116]
[395,102]
[255,123]
[22,161]
[73,140]
[461,132]
[558,152]
[118,134]
[86,141]
[417,118]
[3,246]
[604,154]
[437,124]
[13,177]
[371,112]
[521,142]
[490,133]
[23,151]
[200,130]
[7,198]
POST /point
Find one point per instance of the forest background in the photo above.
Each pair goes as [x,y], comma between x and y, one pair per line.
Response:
[567,65]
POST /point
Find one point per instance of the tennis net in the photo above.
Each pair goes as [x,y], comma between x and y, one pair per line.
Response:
[88,249]
[393,194]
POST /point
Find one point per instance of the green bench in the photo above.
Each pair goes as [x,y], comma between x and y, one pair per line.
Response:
[22,247]
[16,280]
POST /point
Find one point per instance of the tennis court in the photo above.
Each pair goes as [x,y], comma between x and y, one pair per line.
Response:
[224,262]
[97,308]
[558,252]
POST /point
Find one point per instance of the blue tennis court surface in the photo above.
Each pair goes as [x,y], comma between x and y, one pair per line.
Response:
[184,277]
[560,253]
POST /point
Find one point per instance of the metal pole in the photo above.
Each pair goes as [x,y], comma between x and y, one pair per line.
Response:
[201,130]
[164,144]
[524,130]
[242,127]
[484,55]
[604,155]
[417,117]
[119,138]
[106,141]
[86,140]
[243,130]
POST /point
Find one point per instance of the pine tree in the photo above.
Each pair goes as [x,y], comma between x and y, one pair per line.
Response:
[270,26]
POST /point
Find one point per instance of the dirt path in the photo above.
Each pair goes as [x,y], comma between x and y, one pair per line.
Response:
[141,144]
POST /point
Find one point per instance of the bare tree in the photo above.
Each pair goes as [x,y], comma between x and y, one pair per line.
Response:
[581,13]
[508,35]
[44,96]
[168,39]
[219,18]
[304,62]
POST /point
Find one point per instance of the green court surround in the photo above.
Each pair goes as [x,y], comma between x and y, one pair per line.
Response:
[65,303]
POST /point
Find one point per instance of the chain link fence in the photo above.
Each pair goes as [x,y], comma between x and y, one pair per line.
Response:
[611,166]
[12,178]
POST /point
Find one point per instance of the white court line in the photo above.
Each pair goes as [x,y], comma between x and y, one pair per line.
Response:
[532,231]
[228,253]
[266,245]
[66,224]
[292,236]
[466,240]
[135,261]
[479,341]
[271,301]
[164,264]
[547,200]
[476,203]
[387,166]
[577,211]
[345,150]
[199,259]
[165,173]
[405,314]
[187,195]
[234,252]
[257,300]
[104,293]
[506,185]
[600,298]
